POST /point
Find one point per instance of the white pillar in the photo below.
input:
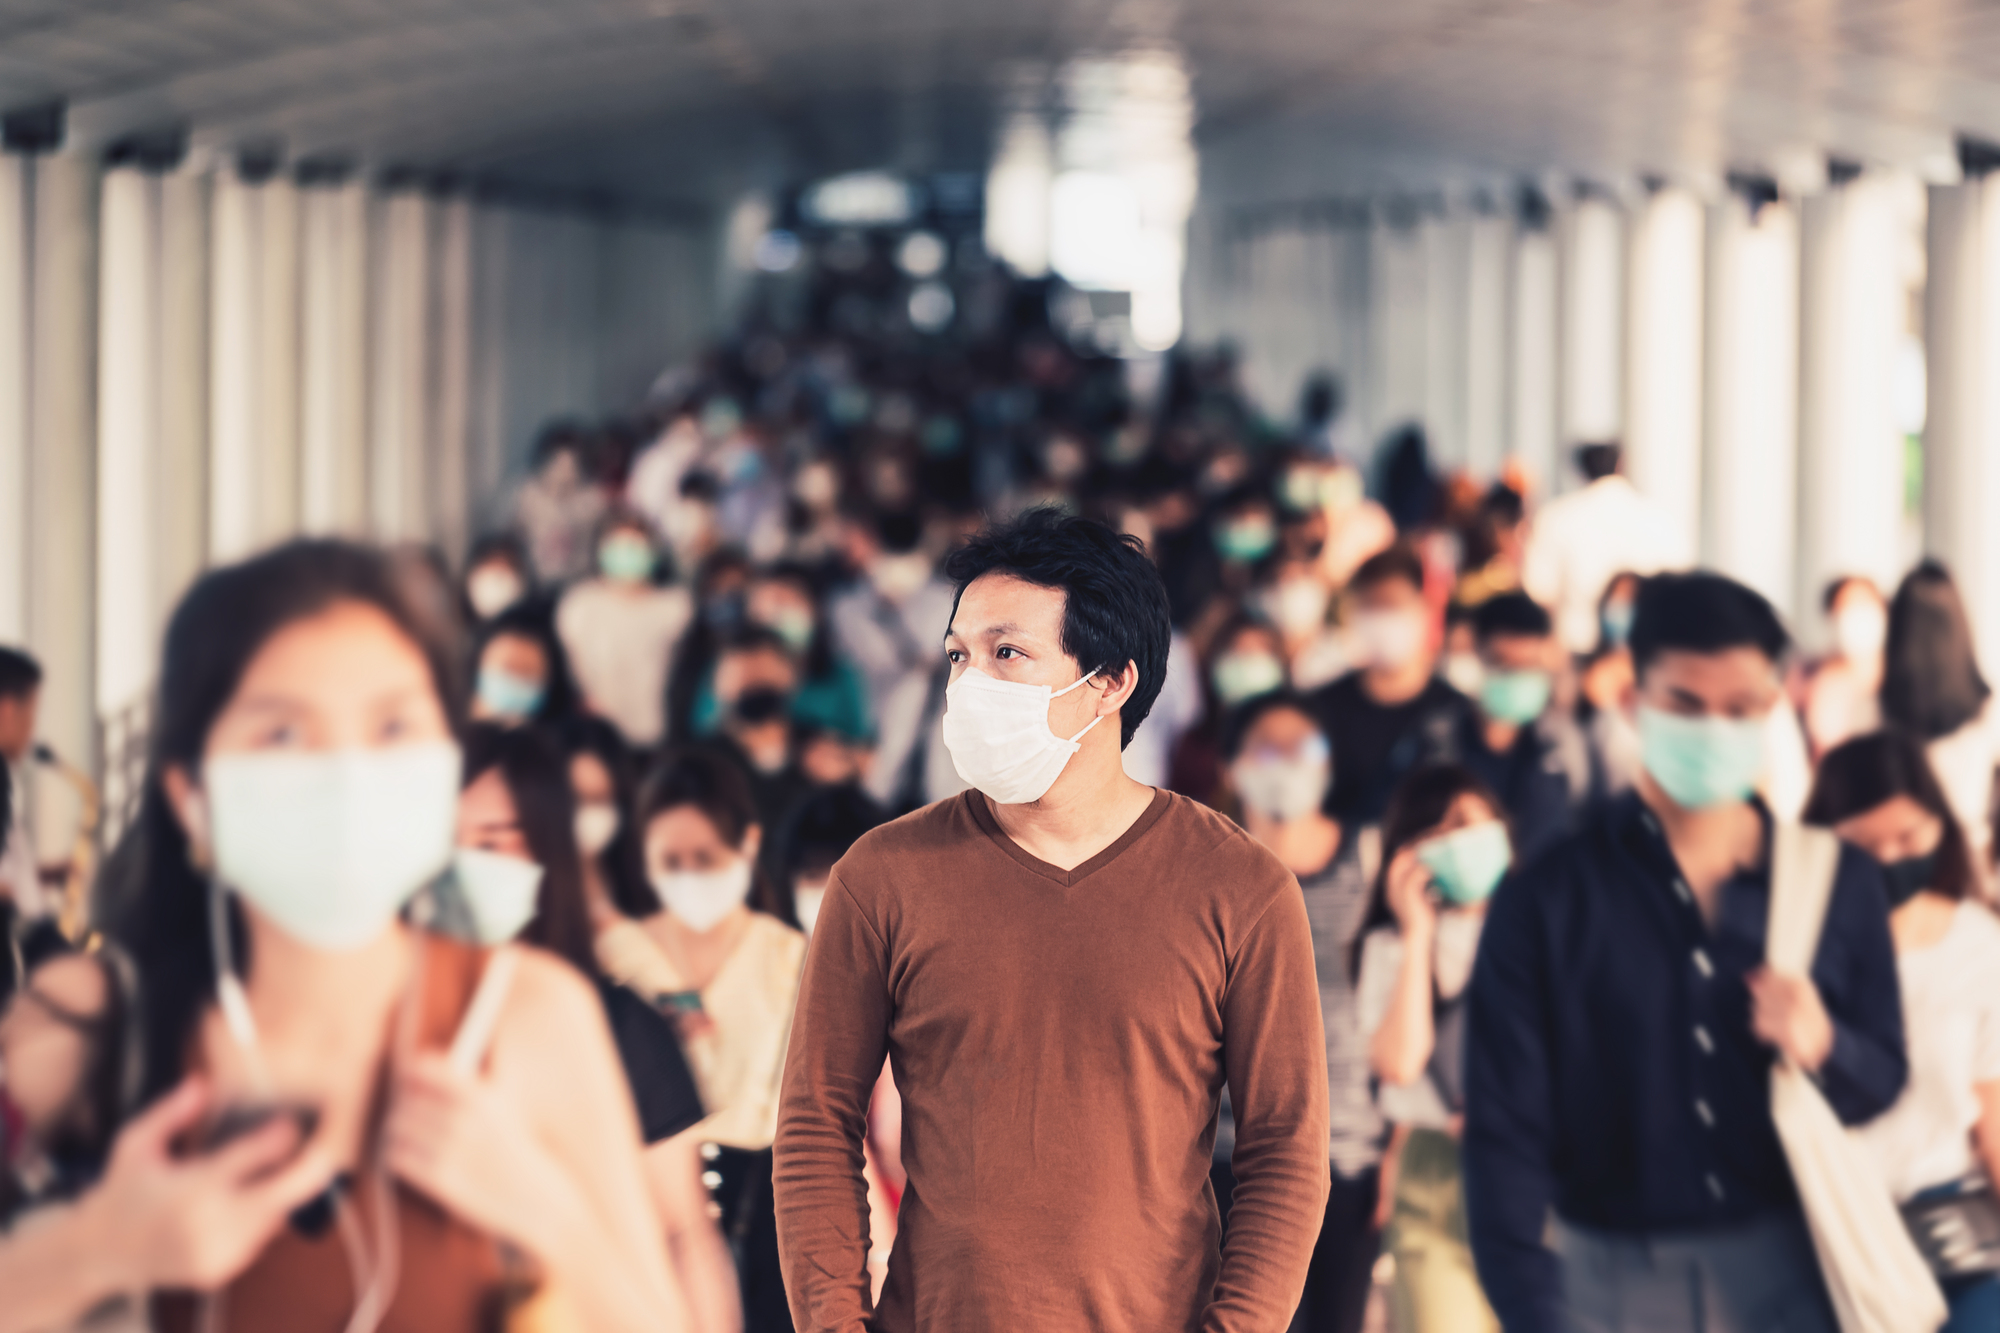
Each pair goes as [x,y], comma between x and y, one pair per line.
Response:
[398,503]
[1447,240]
[1485,440]
[1850,451]
[333,359]
[1531,370]
[128,420]
[1663,368]
[1397,318]
[1593,282]
[451,426]
[1751,452]
[1962,424]
[62,491]
[182,487]
[277,315]
[16,305]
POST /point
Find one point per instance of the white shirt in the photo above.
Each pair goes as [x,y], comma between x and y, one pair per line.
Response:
[621,647]
[1453,948]
[1964,764]
[1151,753]
[1581,540]
[1951,1021]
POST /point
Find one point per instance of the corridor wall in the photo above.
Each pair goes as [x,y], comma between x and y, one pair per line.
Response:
[197,362]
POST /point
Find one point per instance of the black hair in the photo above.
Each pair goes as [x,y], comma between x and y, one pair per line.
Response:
[537,778]
[1838,585]
[1393,564]
[1114,604]
[1236,728]
[220,626]
[1700,612]
[623,863]
[530,623]
[20,674]
[1858,775]
[820,830]
[1511,613]
[1931,682]
[1598,461]
[712,782]
[1420,803]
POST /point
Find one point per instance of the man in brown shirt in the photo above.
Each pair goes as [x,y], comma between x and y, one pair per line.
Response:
[1063,967]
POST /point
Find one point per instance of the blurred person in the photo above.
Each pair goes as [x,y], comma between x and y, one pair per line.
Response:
[722,955]
[1295,600]
[721,591]
[68,1075]
[620,629]
[1458,659]
[303,787]
[520,870]
[1409,487]
[520,672]
[657,490]
[1932,687]
[497,579]
[830,691]
[1622,1023]
[1605,685]
[1007,950]
[20,868]
[750,722]
[1279,769]
[604,778]
[1245,529]
[1520,743]
[1445,848]
[1246,659]
[559,506]
[1149,758]
[1495,545]
[1393,712]
[1941,1139]
[1578,541]
[1838,695]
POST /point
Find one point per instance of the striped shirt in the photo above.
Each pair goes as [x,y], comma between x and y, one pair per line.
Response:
[1336,900]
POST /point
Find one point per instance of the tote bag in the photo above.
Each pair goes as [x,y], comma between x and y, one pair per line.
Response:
[1877,1280]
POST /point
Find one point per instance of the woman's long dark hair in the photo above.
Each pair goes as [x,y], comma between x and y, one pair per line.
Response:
[1931,684]
[1419,805]
[1858,775]
[537,778]
[160,914]
[623,863]
[714,784]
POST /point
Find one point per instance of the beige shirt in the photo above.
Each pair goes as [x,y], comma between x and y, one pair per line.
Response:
[621,648]
[739,1062]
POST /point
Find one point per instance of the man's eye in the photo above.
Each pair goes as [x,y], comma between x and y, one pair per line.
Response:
[1006,653]
[953,655]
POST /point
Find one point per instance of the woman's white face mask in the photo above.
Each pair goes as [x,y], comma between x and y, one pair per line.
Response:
[702,898]
[329,845]
[501,890]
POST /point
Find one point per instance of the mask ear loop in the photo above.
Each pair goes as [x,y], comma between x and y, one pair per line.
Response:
[1094,721]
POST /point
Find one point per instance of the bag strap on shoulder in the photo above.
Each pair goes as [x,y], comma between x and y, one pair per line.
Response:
[1803,863]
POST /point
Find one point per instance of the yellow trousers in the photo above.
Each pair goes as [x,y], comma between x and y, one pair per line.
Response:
[1436,1289]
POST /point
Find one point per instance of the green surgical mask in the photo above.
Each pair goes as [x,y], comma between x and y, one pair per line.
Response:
[626,558]
[1246,539]
[1514,697]
[1240,676]
[1702,761]
[1468,864]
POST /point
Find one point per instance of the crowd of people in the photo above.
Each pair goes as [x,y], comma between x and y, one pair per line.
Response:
[712,904]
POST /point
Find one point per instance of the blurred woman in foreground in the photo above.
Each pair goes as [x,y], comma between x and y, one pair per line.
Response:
[470,1131]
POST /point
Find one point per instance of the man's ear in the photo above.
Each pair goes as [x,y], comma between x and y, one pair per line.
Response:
[1118,687]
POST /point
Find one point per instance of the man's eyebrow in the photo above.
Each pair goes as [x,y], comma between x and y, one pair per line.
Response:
[1004,627]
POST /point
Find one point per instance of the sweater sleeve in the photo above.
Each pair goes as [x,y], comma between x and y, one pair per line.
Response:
[1867,1067]
[839,1036]
[1274,1052]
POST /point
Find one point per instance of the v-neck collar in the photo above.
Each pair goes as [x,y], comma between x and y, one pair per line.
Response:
[982,815]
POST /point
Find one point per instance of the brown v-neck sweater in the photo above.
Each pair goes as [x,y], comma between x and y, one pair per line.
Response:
[1060,1040]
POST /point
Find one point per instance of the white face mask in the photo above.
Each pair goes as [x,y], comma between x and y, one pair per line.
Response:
[1296,606]
[999,738]
[330,845]
[500,890]
[1389,638]
[1464,672]
[1285,789]
[701,898]
[806,901]
[596,826]
[898,576]
[492,589]
[1859,631]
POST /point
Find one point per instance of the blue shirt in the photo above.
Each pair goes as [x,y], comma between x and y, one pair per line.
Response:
[1528,779]
[1610,1069]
